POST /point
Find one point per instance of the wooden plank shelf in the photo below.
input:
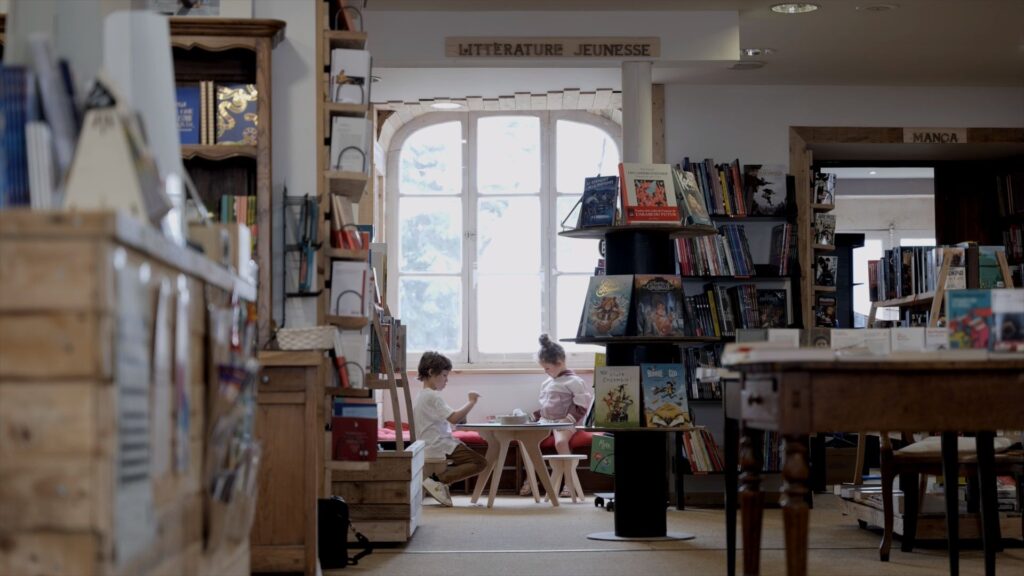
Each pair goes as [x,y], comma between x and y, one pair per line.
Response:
[217,152]
[348,322]
[824,288]
[347,465]
[643,340]
[342,254]
[748,218]
[349,184]
[348,392]
[823,207]
[342,109]
[824,247]
[913,300]
[344,39]
[674,231]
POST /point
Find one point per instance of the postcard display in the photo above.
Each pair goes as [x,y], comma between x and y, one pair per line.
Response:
[641,453]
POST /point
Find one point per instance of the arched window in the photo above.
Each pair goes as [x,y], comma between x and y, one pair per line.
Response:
[475,202]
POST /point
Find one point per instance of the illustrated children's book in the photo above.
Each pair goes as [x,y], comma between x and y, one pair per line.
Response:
[648,194]
[766,185]
[825,270]
[664,387]
[1008,320]
[692,210]
[236,114]
[824,188]
[617,397]
[825,310]
[969,318]
[659,305]
[824,229]
[606,308]
[600,198]
[602,454]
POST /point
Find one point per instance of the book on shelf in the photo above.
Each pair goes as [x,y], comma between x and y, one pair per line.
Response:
[825,310]
[745,305]
[824,229]
[189,107]
[349,287]
[824,187]
[719,294]
[236,114]
[353,431]
[825,267]
[617,397]
[692,208]
[773,307]
[986,319]
[350,355]
[783,248]
[606,307]
[599,201]
[20,106]
[664,396]
[702,452]
[42,169]
[766,187]
[350,76]
[659,305]
[602,454]
[721,185]
[701,365]
[724,254]
[349,144]
[345,234]
[648,194]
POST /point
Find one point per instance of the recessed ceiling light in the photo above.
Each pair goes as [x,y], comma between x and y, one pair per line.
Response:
[872,172]
[747,65]
[757,51]
[446,105]
[794,7]
[878,7]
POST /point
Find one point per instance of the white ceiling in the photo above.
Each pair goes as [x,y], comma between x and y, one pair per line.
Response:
[919,43]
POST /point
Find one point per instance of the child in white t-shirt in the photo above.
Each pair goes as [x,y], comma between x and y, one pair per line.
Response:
[434,419]
[564,397]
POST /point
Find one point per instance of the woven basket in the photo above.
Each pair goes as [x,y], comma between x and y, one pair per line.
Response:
[310,338]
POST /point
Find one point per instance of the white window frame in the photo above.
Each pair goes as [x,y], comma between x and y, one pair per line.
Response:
[470,356]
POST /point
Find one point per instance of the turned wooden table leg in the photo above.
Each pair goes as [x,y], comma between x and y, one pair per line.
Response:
[751,500]
[794,504]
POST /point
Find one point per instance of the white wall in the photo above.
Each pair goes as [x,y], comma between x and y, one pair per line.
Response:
[752,122]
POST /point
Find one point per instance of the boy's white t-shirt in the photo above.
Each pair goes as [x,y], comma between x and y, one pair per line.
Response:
[431,413]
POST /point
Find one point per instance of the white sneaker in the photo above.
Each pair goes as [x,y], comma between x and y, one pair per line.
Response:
[438,491]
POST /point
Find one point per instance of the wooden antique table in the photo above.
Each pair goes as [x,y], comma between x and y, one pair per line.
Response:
[498,437]
[797,398]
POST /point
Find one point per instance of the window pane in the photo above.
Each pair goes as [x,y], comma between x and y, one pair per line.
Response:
[872,250]
[431,161]
[508,313]
[508,155]
[571,293]
[573,255]
[509,234]
[583,151]
[431,234]
[432,309]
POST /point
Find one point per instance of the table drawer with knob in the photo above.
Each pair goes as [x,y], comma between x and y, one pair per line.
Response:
[285,378]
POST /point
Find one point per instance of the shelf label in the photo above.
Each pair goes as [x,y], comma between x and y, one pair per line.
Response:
[934,135]
[552,47]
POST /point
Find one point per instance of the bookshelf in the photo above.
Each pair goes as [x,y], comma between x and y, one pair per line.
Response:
[230,50]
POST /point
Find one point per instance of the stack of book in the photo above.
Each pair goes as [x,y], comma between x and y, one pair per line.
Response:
[702,452]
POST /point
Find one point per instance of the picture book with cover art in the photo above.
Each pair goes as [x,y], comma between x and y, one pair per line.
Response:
[617,397]
[664,390]
[824,229]
[606,308]
[825,270]
[659,305]
[766,185]
[825,310]
[648,194]
[602,454]
[1008,320]
[600,198]
[824,188]
[692,210]
[969,318]
[771,305]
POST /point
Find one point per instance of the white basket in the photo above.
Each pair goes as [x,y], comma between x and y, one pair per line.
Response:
[310,338]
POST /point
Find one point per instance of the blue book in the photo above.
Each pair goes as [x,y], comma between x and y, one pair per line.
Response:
[600,197]
[664,394]
[189,109]
[236,114]
[17,105]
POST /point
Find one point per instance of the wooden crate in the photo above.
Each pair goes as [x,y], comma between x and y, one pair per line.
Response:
[386,498]
[60,309]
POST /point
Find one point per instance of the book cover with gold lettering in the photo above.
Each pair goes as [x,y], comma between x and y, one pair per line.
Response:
[235,114]
[606,309]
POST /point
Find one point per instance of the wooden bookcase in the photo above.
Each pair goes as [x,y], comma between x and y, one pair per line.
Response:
[66,364]
[234,50]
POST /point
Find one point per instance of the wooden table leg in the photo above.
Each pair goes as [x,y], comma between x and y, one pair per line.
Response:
[950,477]
[491,456]
[751,501]
[531,443]
[732,440]
[794,504]
[989,512]
[531,475]
[499,465]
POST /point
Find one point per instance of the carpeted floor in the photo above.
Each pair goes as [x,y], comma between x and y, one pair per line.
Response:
[521,538]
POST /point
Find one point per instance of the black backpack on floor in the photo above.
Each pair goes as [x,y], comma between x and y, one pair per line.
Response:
[332,534]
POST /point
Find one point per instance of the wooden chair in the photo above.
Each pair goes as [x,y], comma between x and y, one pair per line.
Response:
[918,459]
[563,466]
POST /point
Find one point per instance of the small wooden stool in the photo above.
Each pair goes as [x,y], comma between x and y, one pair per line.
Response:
[564,466]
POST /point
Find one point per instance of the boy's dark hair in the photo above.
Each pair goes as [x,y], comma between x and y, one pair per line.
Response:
[431,364]
[550,352]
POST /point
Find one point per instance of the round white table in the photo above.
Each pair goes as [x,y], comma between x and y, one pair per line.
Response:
[498,437]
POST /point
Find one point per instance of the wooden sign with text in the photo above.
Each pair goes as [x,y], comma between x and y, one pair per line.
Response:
[552,47]
[934,135]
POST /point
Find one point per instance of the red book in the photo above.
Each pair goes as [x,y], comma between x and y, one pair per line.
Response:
[354,439]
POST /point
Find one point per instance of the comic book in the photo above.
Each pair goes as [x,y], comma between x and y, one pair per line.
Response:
[606,308]
[664,392]
[659,305]
[617,397]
